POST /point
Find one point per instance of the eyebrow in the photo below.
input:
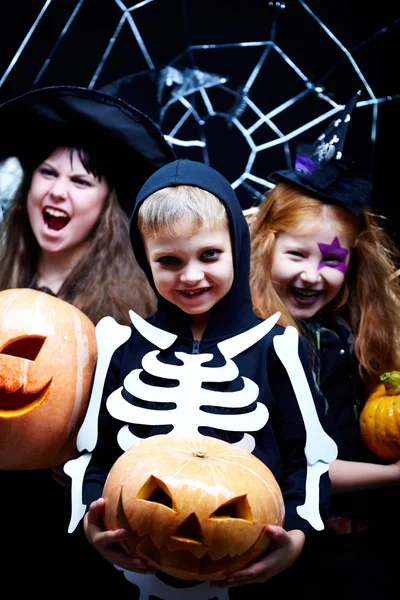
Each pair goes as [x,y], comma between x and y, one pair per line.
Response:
[211,246]
[72,171]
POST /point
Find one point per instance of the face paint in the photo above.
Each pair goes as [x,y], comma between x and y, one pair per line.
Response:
[334,256]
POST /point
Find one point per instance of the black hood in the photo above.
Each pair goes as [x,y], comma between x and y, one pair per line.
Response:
[234,312]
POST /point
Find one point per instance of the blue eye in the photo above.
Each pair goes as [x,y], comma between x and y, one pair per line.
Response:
[212,254]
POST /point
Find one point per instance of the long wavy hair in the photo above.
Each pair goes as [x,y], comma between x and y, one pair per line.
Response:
[370,295]
[106,281]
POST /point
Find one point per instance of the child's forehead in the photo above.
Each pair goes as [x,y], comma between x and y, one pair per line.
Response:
[187,228]
[311,225]
[305,229]
[188,241]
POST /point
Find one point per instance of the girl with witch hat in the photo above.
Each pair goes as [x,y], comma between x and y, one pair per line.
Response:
[320,256]
[84,155]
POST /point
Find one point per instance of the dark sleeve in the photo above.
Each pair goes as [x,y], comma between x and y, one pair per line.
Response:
[290,434]
[324,411]
[107,450]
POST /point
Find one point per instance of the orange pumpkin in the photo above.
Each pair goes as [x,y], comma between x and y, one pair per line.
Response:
[47,356]
[193,507]
[380,418]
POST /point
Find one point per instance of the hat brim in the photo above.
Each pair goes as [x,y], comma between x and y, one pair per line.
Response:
[300,180]
[333,183]
[134,144]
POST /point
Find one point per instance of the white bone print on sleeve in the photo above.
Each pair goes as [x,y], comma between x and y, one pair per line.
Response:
[320,449]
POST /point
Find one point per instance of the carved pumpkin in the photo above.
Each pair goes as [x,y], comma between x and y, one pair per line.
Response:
[380,418]
[47,356]
[193,507]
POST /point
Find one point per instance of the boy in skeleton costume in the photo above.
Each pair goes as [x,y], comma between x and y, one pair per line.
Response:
[204,363]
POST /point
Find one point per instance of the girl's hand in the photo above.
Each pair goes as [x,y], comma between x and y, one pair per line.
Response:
[285,547]
[107,542]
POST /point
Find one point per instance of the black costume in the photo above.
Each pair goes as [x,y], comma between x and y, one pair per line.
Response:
[280,441]
[354,556]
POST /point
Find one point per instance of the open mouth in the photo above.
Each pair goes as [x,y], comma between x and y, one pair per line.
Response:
[305,297]
[194,293]
[55,219]
[18,403]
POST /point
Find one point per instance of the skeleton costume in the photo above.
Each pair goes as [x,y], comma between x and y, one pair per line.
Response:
[252,403]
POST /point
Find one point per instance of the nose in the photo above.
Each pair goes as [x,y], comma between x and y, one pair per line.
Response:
[311,274]
[192,273]
[59,189]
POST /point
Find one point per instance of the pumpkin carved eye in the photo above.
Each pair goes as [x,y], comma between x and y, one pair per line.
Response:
[27,347]
[155,490]
[238,508]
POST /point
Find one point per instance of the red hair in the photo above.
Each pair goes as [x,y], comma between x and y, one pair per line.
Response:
[370,295]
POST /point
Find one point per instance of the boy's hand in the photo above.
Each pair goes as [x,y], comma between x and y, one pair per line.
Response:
[285,547]
[107,542]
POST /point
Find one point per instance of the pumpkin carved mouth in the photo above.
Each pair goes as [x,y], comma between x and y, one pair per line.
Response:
[17,403]
[185,560]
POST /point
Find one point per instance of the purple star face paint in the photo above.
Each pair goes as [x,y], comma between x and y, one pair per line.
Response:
[334,256]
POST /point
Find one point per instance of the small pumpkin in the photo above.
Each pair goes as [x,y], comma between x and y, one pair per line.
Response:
[193,507]
[48,353]
[380,418]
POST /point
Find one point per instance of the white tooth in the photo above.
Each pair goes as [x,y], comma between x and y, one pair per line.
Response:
[55,213]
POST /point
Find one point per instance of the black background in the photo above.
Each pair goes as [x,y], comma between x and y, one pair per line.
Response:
[367,33]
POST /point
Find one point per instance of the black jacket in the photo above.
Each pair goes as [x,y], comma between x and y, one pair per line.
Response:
[337,374]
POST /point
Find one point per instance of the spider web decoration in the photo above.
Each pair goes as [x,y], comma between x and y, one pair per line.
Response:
[238,86]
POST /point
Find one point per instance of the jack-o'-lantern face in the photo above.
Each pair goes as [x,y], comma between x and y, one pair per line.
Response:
[195,508]
[47,357]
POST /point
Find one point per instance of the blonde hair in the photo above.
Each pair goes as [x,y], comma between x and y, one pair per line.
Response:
[171,208]
[370,295]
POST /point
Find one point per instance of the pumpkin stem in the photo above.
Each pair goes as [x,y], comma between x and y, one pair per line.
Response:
[199,454]
[391,380]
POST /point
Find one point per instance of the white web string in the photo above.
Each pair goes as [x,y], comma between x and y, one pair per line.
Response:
[24,43]
[58,42]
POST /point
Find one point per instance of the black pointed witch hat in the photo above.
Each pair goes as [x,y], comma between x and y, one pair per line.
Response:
[131,145]
[320,170]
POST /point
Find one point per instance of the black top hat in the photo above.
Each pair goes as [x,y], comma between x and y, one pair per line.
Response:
[320,170]
[131,146]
